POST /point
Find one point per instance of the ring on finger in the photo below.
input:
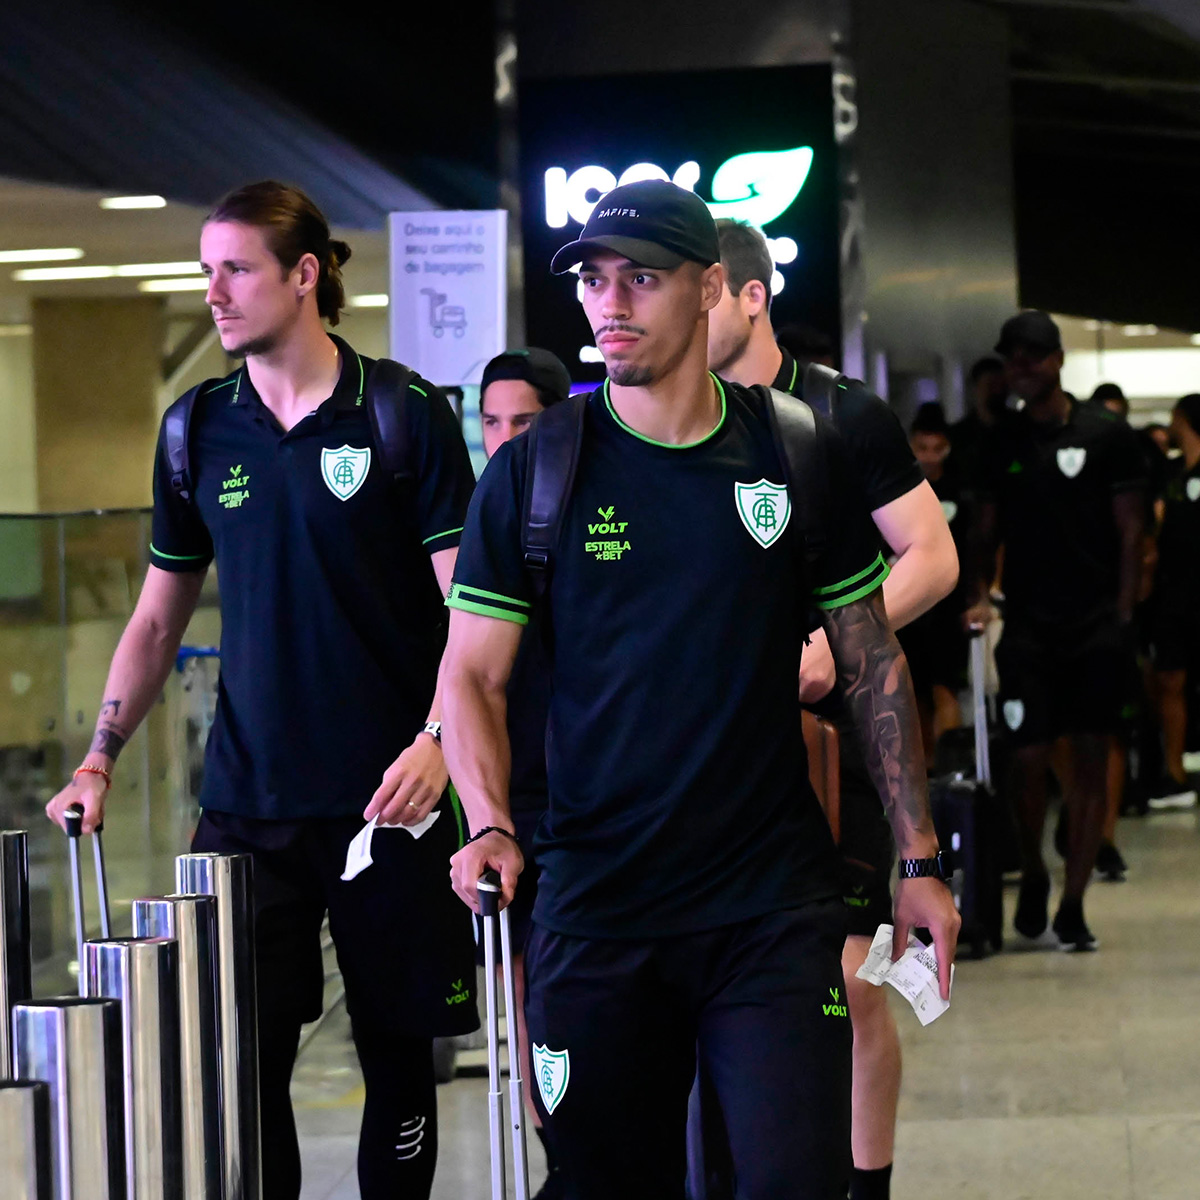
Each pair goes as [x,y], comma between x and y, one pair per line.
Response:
[411,805]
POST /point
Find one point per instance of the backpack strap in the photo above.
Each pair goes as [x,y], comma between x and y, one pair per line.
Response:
[555,438]
[177,430]
[820,388]
[386,395]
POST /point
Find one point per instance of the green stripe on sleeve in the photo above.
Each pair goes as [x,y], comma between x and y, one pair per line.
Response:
[837,587]
[460,588]
[177,557]
[445,533]
[858,593]
[486,610]
[419,391]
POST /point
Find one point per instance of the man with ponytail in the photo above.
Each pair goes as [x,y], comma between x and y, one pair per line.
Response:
[334,565]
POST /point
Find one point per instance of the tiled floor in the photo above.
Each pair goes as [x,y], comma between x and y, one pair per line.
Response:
[1053,1076]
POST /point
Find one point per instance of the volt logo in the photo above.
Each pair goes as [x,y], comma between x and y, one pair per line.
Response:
[756,187]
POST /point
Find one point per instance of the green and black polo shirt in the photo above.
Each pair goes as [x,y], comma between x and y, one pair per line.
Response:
[332,619]
[679,794]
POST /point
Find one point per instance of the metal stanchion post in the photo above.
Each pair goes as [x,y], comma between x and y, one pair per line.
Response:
[229,877]
[192,922]
[25,1139]
[74,1045]
[143,974]
[16,957]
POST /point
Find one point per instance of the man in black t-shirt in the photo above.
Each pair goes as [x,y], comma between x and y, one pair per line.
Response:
[1062,489]
[516,386]
[332,578]
[689,895]
[988,399]
[910,521]
[1175,603]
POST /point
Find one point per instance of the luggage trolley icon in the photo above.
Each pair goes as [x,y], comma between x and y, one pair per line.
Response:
[443,316]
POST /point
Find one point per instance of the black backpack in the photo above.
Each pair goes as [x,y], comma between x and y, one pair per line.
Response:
[384,393]
[556,436]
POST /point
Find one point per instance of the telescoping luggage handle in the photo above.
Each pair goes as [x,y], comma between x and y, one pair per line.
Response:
[73,819]
[983,759]
[493,915]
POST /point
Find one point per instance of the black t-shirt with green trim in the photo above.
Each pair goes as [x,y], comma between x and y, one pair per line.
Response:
[332,622]
[1054,486]
[1177,576]
[879,451]
[679,793]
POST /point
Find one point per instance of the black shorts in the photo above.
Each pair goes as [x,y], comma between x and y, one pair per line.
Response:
[1056,681]
[403,938]
[867,848]
[936,648]
[1173,631]
[615,1027]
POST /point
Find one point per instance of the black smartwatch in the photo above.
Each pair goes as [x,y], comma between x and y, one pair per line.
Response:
[938,867]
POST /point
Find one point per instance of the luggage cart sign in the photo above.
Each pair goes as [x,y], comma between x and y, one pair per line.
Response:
[448,301]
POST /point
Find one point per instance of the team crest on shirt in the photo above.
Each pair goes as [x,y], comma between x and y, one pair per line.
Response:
[1193,488]
[345,470]
[765,509]
[1071,460]
[552,1070]
[1014,714]
[949,510]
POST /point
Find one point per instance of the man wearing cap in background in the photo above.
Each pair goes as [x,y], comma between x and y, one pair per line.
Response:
[689,894]
[516,386]
[1061,487]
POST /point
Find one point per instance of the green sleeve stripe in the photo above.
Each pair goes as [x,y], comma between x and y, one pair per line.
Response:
[177,557]
[456,804]
[459,588]
[419,391]
[865,590]
[445,533]
[837,587]
[486,610]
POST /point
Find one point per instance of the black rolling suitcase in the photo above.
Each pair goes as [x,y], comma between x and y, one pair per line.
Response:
[970,824]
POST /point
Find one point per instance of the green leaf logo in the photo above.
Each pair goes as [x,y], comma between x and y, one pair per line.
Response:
[759,186]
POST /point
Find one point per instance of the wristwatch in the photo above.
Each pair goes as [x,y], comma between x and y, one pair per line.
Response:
[938,867]
[434,729]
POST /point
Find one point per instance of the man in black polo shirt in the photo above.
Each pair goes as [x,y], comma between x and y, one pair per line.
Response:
[689,895]
[516,386]
[332,576]
[1061,487]
[910,521]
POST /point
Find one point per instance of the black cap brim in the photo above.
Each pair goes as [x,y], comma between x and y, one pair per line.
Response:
[637,250]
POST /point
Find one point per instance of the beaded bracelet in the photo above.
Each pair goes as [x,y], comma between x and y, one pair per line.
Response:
[491,829]
[93,771]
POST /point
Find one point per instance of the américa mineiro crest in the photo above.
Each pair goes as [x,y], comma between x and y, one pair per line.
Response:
[345,470]
[765,509]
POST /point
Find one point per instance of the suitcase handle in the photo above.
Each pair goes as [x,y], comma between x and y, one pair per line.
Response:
[73,821]
[489,893]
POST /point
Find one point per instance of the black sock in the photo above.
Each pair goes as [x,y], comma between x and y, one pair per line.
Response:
[871,1185]
[551,1164]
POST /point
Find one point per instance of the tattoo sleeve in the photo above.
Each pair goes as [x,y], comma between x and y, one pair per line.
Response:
[874,676]
[110,736]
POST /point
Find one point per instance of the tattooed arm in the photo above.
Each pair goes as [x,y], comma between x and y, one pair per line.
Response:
[874,677]
[140,666]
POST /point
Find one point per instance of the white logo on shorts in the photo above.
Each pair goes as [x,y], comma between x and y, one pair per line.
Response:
[552,1070]
[1193,488]
[1014,714]
[1071,460]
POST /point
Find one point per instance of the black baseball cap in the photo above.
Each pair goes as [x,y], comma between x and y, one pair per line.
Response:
[652,223]
[1031,328]
[539,368]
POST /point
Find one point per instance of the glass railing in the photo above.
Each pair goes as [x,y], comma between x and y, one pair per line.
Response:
[68,584]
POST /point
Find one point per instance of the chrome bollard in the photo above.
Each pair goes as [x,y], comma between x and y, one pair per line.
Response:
[16,957]
[74,1045]
[192,922]
[25,1139]
[143,974]
[229,877]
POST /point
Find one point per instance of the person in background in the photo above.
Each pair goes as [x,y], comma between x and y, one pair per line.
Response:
[987,401]
[1111,398]
[516,386]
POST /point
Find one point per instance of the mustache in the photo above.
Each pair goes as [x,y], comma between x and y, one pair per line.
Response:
[620,327]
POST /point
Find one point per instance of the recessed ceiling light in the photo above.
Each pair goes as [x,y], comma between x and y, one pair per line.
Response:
[62,254]
[174,285]
[48,274]
[369,300]
[140,270]
[133,202]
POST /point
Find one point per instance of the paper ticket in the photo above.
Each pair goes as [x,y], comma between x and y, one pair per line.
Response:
[914,975]
[358,855]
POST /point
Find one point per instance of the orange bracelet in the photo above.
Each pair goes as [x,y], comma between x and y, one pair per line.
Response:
[93,771]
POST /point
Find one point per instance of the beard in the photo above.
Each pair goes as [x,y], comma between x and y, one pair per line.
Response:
[263,344]
[727,352]
[630,375]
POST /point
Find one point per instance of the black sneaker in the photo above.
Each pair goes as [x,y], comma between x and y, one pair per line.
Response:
[1031,915]
[1169,793]
[1071,930]
[1110,865]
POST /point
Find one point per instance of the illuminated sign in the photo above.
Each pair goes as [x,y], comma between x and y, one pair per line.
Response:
[756,144]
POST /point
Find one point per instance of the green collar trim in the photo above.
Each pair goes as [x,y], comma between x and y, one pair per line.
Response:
[672,445]
[795,372]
